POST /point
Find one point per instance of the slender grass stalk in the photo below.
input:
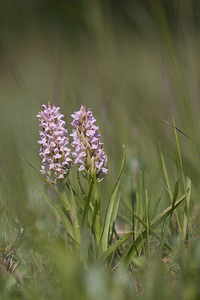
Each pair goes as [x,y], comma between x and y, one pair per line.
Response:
[165,229]
[153,232]
[138,213]
[147,221]
[186,215]
[165,174]
[187,220]
[141,213]
[139,242]
[179,155]
[133,198]
[169,188]
[111,210]
[140,194]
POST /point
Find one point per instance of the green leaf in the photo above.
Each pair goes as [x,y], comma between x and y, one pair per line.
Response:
[64,201]
[186,218]
[74,217]
[96,217]
[80,201]
[137,244]
[109,217]
[165,174]
[179,155]
[69,208]
[87,204]
[66,222]
[160,218]
[152,231]
[80,185]
[175,195]
[106,254]
[62,196]
[165,229]
[140,194]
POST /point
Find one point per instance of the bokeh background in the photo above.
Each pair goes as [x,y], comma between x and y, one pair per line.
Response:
[133,62]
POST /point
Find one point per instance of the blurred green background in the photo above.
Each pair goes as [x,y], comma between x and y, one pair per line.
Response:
[132,62]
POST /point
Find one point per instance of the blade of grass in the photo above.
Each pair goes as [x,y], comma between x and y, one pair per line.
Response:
[147,220]
[140,207]
[157,220]
[111,207]
[175,195]
[173,198]
[179,155]
[106,254]
[165,173]
[184,134]
[133,198]
[136,246]
[138,211]
[140,195]
[114,220]
[186,219]
[152,232]
[181,168]
[163,235]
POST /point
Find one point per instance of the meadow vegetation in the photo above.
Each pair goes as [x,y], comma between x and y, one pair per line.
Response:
[135,64]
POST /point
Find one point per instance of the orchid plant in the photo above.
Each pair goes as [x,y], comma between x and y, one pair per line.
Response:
[89,231]
[79,213]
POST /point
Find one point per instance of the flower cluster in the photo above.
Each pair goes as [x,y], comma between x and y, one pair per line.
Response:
[88,153]
[54,151]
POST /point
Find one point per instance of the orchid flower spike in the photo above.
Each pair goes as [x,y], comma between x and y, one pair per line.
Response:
[88,153]
[54,152]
